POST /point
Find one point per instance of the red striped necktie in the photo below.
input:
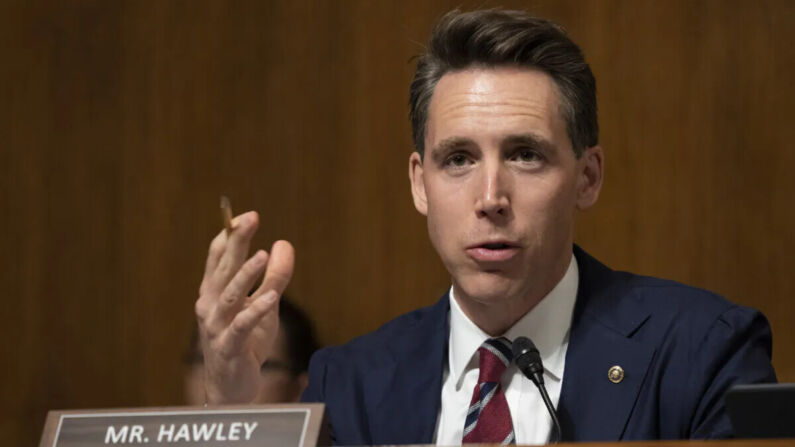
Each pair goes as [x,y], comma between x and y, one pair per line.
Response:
[488,418]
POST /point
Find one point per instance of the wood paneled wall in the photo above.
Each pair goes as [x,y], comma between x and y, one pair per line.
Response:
[122,123]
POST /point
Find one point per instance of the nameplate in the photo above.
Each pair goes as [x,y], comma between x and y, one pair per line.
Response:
[298,425]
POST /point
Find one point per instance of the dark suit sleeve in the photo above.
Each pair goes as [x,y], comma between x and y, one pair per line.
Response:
[317,378]
[737,349]
[315,389]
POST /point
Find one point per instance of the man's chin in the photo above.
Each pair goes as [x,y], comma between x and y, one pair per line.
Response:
[487,288]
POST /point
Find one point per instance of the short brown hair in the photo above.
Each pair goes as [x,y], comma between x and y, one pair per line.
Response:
[496,38]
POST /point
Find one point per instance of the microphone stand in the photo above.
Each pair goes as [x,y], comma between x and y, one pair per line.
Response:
[556,433]
[528,360]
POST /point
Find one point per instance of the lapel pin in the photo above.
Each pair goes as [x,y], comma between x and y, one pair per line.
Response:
[615,374]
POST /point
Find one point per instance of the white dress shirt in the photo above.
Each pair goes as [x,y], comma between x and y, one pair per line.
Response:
[547,325]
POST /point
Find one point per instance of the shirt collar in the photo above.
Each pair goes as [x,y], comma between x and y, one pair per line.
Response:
[547,325]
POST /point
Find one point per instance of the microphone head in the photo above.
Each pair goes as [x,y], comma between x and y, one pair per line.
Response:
[528,359]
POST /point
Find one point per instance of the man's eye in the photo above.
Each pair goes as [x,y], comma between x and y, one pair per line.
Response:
[457,160]
[527,155]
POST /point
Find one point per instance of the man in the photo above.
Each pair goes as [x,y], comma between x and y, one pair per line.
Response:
[503,109]
[284,373]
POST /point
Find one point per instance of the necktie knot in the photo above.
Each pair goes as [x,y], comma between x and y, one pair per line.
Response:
[495,356]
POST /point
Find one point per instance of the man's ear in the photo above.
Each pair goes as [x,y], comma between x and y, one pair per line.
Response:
[591,174]
[418,183]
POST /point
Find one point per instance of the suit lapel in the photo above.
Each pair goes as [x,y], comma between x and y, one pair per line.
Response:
[592,407]
[406,410]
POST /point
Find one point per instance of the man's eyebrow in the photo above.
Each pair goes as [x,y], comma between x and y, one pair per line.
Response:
[447,145]
[531,140]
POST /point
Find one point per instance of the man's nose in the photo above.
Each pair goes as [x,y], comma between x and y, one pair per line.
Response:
[493,199]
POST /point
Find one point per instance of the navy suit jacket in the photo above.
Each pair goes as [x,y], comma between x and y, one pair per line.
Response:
[681,348]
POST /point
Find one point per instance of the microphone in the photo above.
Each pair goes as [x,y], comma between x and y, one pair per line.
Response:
[528,360]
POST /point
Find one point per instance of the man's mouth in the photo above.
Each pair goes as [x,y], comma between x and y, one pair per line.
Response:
[498,251]
[496,246]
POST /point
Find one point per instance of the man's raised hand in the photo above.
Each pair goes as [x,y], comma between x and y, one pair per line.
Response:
[238,331]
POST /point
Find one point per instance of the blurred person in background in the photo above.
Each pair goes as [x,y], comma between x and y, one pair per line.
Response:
[284,374]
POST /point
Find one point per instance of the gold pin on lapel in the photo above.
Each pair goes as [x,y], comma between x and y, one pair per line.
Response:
[615,374]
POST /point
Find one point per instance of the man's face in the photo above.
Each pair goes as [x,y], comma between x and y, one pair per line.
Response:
[278,383]
[499,182]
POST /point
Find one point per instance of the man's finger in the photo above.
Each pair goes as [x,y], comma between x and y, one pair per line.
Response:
[246,320]
[214,255]
[280,268]
[236,250]
[232,298]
